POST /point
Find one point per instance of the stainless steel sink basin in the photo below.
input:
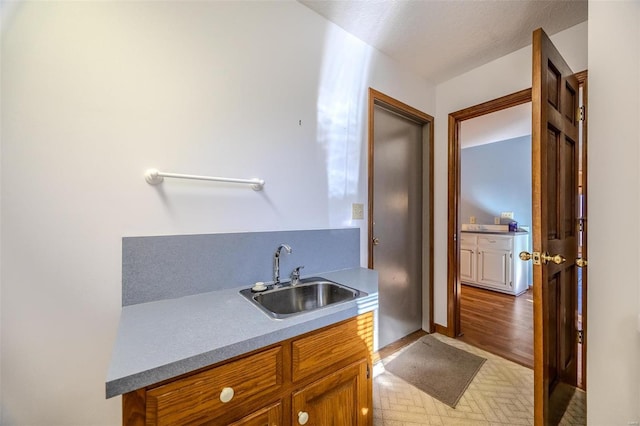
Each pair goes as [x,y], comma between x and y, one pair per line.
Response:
[308,295]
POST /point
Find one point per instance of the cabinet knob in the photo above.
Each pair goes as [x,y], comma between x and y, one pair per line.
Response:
[226,395]
[303,417]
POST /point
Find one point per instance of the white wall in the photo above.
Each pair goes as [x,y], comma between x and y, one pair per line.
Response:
[93,94]
[503,76]
[613,375]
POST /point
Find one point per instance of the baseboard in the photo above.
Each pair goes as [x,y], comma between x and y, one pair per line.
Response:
[441,329]
[397,345]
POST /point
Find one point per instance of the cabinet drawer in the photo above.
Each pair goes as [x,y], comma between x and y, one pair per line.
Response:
[467,240]
[494,242]
[197,398]
[339,345]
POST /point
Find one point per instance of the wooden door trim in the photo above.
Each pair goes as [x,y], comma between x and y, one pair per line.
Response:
[583,77]
[453,236]
[379,98]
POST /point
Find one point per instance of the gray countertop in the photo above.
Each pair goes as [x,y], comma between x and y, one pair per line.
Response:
[164,339]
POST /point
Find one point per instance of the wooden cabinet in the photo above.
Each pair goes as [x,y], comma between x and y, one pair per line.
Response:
[491,261]
[200,397]
[319,378]
[334,400]
[269,416]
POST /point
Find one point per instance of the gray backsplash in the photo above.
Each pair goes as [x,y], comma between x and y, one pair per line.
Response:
[165,267]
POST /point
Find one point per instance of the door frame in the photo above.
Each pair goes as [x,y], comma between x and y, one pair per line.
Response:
[380,99]
[453,235]
[583,81]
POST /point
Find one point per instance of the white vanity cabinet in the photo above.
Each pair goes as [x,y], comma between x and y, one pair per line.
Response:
[491,261]
[468,254]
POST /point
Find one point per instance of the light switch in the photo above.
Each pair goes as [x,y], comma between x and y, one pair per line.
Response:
[506,215]
[472,219]
[357,211]
[496,220]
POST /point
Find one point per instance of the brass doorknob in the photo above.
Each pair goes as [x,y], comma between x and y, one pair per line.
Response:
[539,258]
[376,241]
[581,263]
[557,259]
[525,255]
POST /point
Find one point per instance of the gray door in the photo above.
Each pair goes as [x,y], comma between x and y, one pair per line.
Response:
[397,223]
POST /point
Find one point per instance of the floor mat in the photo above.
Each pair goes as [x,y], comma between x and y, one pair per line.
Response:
[442,371]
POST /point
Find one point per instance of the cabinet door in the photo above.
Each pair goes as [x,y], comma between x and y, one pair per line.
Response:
[494,268]
[467,265]
[268,416]
[339,399]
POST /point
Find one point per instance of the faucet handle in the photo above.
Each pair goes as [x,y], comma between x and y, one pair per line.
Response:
[295,275]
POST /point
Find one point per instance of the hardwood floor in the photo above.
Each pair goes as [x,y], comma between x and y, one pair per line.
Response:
[498,323]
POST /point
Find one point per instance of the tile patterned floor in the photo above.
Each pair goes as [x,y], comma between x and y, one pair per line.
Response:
[500,394]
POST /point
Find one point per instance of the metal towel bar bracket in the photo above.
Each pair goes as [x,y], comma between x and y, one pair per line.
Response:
[155,177]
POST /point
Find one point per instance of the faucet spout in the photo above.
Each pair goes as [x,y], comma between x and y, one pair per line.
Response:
[276,262]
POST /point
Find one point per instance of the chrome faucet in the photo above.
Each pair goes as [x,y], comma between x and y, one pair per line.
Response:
[295,275]
[276,263]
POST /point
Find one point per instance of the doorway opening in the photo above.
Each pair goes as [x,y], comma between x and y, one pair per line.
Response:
[400,213]
[496,303]
[454,223]
[494,309]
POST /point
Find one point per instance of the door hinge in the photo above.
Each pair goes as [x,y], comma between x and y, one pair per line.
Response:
[368,372]
[581,222]
[581,113]
[580,336]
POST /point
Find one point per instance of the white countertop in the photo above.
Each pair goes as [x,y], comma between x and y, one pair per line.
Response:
[164,339]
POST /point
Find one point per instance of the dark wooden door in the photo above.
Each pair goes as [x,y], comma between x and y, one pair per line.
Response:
[555,162]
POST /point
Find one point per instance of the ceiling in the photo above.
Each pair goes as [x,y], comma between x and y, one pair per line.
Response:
[441,39]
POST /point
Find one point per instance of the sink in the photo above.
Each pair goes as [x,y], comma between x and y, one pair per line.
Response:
[308,295]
